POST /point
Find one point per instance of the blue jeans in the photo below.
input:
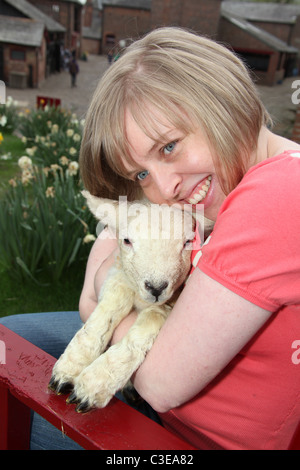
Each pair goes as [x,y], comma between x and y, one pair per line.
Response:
[52,331]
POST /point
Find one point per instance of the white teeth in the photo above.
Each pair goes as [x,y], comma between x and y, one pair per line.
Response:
[201,193]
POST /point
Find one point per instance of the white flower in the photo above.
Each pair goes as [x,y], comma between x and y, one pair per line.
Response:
[76,137]
[12,182]
[54,129]
[3,120]
[10,101]
[26,176]
[72,151]
[89,238]
[73,168]
[70,132]
[64,160]
[46,170]
[31,151]
[55,167]
[7,156]
[25,163]
[50,192]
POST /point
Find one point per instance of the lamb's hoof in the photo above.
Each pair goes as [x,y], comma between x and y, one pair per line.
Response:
[53,384]
[83,407]
[72,399]
[64,388]
[60,389]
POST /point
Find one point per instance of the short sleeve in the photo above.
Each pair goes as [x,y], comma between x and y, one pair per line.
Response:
[254,249]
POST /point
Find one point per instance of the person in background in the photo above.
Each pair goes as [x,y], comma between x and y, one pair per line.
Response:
[74,70]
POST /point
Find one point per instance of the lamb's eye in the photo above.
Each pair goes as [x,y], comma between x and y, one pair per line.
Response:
[126,241]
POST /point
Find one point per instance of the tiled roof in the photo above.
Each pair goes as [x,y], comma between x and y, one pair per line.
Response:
[23,31]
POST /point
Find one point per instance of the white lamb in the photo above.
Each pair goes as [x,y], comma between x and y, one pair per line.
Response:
[153,264]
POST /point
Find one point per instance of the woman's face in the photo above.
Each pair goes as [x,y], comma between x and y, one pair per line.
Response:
[175,168]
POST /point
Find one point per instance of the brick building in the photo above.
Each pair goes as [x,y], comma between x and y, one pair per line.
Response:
[92,27]
[122,20]
[67,13]
[266,35]
[199,15]
[25,57]
[33,34]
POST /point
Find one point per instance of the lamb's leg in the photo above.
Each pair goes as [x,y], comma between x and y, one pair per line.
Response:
[92,339]
[98,382]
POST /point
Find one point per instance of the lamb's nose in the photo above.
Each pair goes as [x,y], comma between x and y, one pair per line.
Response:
[156,290]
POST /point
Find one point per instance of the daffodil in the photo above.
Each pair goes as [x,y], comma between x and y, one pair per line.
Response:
[89,238]
[25,162]
[73,168]
[50,192]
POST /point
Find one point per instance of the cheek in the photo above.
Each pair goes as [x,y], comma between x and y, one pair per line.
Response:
[152,193]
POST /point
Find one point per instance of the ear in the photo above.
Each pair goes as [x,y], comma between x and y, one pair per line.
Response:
[103,209]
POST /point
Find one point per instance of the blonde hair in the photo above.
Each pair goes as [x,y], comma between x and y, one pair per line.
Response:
[181,74]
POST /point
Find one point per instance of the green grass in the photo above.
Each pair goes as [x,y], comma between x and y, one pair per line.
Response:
[11,149]
[31,298]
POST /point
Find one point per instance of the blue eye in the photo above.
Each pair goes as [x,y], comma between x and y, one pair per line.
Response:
[169,148]
[142,175]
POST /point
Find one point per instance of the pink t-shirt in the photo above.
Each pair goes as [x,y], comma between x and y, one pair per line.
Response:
[254,250]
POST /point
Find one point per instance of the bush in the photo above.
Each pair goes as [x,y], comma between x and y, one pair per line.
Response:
[51,133]
[45,225]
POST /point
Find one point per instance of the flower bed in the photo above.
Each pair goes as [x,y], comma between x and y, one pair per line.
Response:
[45,224]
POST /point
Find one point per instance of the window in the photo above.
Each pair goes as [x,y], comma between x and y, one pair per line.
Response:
[16,54]
[255,60]
[110,40]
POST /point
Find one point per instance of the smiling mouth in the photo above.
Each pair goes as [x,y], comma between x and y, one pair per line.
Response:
[200,192]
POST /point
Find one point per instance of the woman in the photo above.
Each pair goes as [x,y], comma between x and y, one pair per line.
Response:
[177,119]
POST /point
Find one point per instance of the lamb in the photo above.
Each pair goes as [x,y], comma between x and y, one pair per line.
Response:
[152,265]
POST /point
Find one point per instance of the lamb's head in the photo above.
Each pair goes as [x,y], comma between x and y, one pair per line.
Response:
[155,244]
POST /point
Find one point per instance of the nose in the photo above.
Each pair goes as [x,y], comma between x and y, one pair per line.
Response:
[156,290]
[167,182]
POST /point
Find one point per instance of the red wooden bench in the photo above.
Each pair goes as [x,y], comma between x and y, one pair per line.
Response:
[25,371]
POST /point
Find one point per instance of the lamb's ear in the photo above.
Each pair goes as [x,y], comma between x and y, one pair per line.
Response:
[103,209]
